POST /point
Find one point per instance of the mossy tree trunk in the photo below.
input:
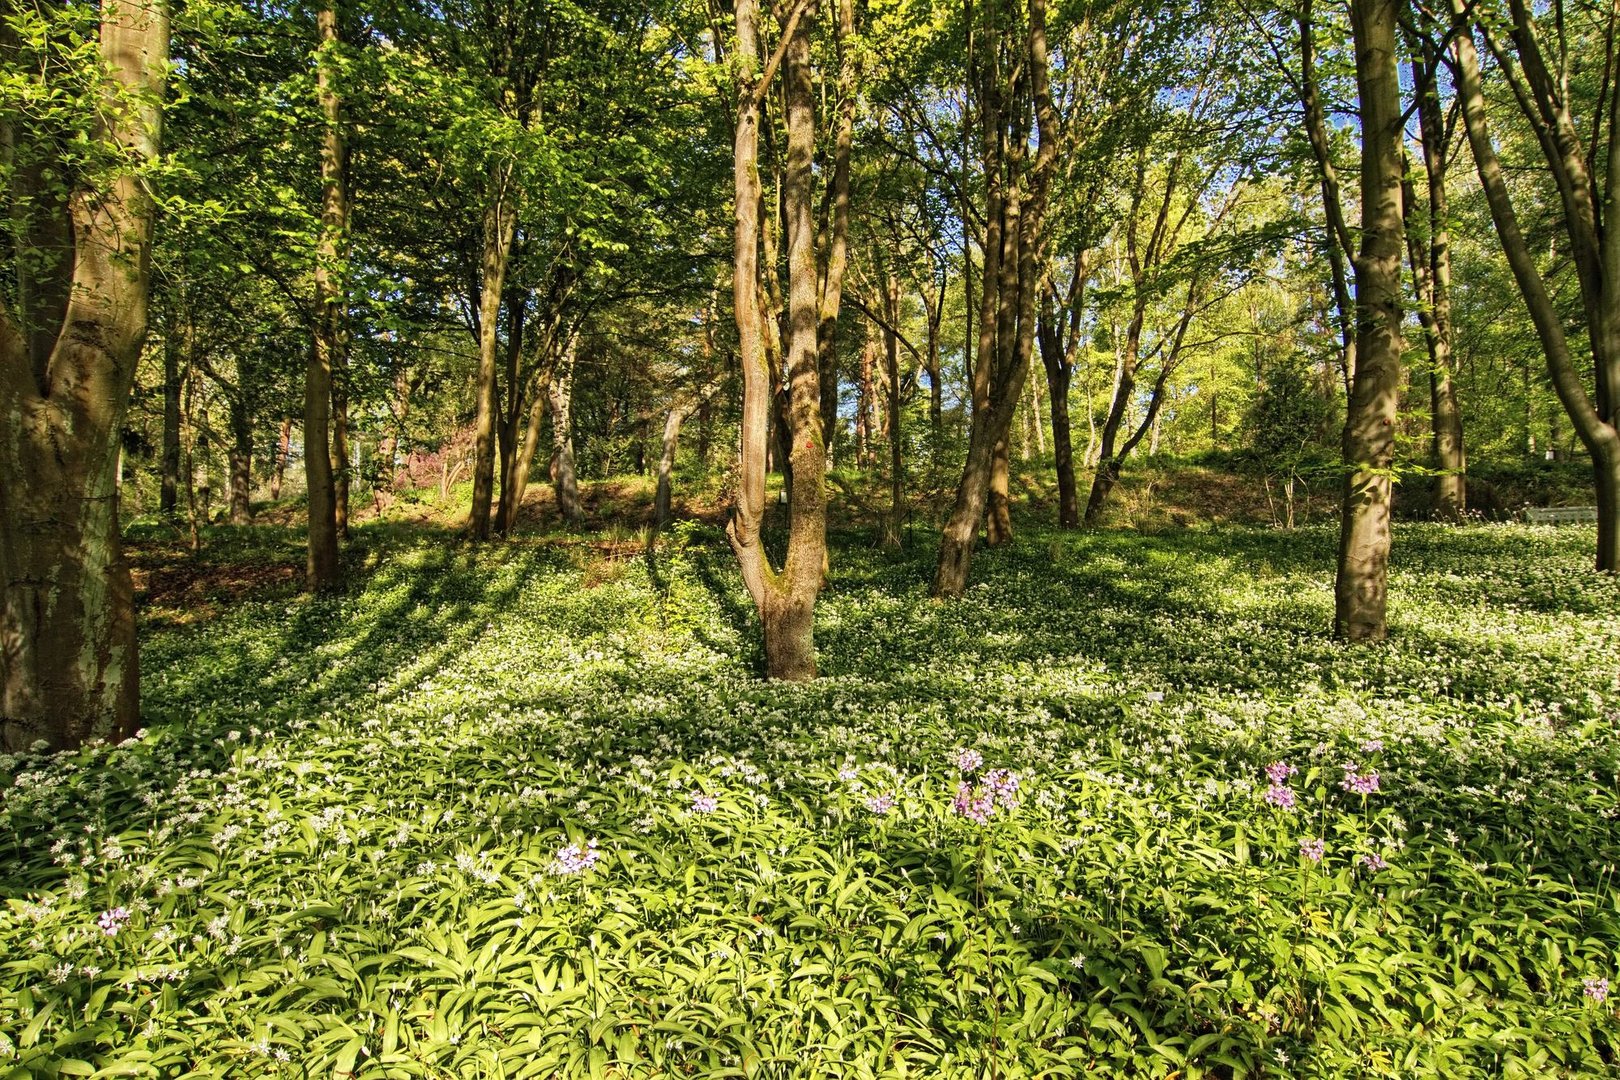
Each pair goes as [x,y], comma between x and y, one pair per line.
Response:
[68,668]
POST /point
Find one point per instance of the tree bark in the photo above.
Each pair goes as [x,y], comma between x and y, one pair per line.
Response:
[1057,349]
[1594,250]
[330,338]
[500,223]
[1431,272]
[891,355]
[1338,232]
[341,467]
[240,459]
[168,492]
[563,480]
[785,599]
[1015,211]
[666,466]
[69,669]
[832,275]
[283,452]
[1360,589]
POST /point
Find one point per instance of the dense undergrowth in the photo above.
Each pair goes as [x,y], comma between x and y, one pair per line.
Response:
[528,812]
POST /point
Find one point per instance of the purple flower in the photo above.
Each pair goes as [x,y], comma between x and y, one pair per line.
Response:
[972,803]
[1281,796]
[1359,783]
[574,859]
[1312,849]
[1280,771]
[1374,862]
[112,921]
[1596,988]
[880,805]
[967,762]
[1002,786]
[704,804]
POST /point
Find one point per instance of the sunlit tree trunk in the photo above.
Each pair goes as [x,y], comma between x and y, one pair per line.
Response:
[283,452]
[663,494]
[785,599]
[325,355]
[68,669]
[240,460]
[1360,590]
[891,356]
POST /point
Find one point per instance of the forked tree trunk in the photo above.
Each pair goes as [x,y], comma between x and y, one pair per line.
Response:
[785,599]
[330,333]
[1015,211]
[68,669]
[1594,250]
[1360,589]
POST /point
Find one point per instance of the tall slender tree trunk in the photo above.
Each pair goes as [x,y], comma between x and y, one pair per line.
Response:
[563,479]
[1431,270]
[1596,253]
[330,340]
[1360,590]
[891,356]
[283,452]
[240,459]
[69,669]
[663,494]
[168,492]
[1059,375]
[1338,241]
[341,465]
[500,223]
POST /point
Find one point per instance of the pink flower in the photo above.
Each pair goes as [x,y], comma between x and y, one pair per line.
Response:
[1374,862]
[1359,783]
[704,804]
[1312,849]
[1002,786]
[1280,796]
[1280,771]
[972,803]
[1596,988]
[967,762]
[574,859]
[112,921]
[880,805]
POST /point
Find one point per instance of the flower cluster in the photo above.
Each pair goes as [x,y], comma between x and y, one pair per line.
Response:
[1358,783]
[967,762]
[1596,988]
[977,802]
[881,805]
[1279,794]
[704,804]
[1313,849]
[1374,862]
[574,859]
[112,921]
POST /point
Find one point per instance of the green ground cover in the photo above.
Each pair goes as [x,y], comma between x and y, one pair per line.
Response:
[528,812]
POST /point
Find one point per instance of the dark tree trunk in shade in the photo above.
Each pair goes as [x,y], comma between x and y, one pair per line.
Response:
[330,337]
[168,492]
[240,459]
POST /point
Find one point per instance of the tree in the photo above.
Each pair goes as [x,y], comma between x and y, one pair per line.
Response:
[69,667]
[326,354]
[1360,589]
[1586,174]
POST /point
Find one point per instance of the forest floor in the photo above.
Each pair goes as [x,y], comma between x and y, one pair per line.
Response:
[529,811]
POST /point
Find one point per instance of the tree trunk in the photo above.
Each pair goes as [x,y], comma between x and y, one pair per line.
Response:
[341,466]
[785,599]
[1058,377]
[283,452]
[240,458]
[563,480]
[1594,420]
[998,528]
[168,493]
[1360,589]
[1431,271]
[864,403]
[1015,211]
[500,223]
[1338,233]
[666,466]
[325,355]
[891,356]
[69,670]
